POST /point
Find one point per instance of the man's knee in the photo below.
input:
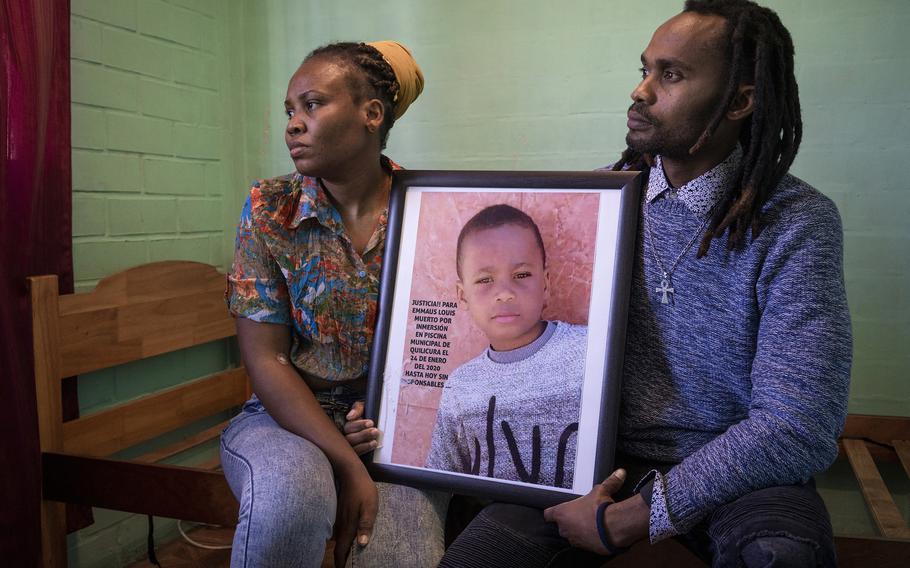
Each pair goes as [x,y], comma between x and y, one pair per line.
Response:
[507,513]
[780,550]
[777,526]
[505,535]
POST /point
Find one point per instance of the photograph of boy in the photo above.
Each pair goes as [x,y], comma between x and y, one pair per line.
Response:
[511,412]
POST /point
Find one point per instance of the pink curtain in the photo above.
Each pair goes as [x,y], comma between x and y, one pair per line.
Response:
[35,238]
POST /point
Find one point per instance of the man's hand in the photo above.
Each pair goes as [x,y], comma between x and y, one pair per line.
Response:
[360,433]
[358,502]
[626,522]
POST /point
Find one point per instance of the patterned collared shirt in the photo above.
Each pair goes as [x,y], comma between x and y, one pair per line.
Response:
[702,193]
[295,265]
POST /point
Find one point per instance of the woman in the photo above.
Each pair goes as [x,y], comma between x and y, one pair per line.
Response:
[303,287]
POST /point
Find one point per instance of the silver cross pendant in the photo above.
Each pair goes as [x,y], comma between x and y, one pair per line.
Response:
[665,290]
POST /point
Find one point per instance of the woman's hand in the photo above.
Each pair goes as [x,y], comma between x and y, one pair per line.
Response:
[358,502]
[359,432]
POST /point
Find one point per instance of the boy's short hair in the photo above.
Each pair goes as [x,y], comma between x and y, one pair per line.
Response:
[496,216]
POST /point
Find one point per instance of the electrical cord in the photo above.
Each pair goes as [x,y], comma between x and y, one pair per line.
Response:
[198,544]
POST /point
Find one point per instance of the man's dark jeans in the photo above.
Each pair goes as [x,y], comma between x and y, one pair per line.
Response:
[777,526]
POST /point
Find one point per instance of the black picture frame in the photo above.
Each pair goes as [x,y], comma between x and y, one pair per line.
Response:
[624,191]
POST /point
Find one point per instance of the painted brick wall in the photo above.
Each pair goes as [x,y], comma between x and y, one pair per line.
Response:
[148,134]
[152,150]
[544,85]
[856,114]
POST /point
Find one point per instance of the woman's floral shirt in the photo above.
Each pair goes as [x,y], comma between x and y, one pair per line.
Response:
[295,265]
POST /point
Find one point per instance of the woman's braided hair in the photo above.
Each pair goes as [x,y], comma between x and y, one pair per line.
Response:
[375,80]
[760,53]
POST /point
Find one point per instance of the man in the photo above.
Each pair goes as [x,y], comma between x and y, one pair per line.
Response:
[738,356]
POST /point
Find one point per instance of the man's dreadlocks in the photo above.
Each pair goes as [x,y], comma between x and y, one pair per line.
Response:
[760,53]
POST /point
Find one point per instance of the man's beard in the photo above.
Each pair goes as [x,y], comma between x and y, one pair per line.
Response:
[671,143]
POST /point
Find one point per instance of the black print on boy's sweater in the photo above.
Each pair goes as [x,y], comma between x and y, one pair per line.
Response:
[516,421]
[532,476]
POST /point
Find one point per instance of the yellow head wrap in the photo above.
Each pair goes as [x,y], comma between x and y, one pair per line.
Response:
[410,78]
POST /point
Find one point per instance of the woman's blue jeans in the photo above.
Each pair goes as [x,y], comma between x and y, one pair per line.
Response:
[288,498]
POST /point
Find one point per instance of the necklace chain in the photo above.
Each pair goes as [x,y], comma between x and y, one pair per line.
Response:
[665,289]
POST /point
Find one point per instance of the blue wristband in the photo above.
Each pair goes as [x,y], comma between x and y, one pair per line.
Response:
[602,531]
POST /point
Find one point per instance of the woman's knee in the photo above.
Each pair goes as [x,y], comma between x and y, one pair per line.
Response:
[418,505]
[271,469]
[409,530]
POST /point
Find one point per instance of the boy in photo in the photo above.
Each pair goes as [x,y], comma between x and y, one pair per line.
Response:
[511,412]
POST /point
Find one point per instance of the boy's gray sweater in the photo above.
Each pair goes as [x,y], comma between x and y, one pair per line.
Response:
[515,420]
[743,379]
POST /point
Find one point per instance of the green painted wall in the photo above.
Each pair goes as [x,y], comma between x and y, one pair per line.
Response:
[545,85]
[150,133]
[177,105]
[156,144]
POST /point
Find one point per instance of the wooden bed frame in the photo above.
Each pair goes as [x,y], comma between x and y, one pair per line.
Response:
[167,306]
[145,311]
[887,439]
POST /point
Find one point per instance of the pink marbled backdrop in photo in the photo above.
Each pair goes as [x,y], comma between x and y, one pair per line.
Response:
[568,225]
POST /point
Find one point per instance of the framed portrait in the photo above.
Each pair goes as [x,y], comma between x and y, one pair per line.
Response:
[497,359]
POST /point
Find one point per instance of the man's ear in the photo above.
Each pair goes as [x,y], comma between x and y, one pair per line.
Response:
[743,103]
[374,113]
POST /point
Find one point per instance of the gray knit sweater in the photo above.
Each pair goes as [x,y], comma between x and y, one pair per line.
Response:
[518,419]
[743,379]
